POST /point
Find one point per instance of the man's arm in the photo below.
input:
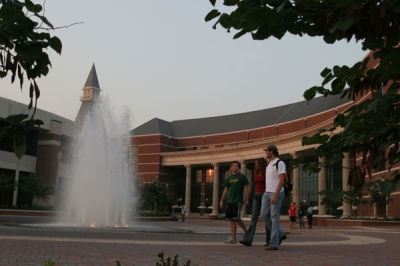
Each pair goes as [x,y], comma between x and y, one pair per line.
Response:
[278,188]
[224,193]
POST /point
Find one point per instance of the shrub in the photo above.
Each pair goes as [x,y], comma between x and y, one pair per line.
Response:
[49,262]
[163,262]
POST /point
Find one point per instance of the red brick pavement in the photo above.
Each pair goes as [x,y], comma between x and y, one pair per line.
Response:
[319,246]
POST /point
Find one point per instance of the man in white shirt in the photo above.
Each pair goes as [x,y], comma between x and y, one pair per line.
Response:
[272,199]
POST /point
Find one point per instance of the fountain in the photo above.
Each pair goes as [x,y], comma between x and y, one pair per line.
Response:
[100,191]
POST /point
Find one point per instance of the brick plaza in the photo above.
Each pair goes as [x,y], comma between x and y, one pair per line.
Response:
[197,240]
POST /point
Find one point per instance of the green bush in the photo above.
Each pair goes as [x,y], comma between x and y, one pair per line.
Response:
[161,261]
[168,261]
[49,262]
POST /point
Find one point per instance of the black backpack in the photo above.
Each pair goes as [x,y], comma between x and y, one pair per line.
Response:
[288,183]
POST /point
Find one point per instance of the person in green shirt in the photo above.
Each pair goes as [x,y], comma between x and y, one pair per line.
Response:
[235,185]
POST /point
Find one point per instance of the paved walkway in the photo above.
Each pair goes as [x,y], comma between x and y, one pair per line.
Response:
[197,240]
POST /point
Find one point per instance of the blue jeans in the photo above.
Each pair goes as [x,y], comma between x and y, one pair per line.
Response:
[301,219]
[248,236]
[271,215]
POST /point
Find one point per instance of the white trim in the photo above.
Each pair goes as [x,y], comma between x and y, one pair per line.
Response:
[8,160]
[49,142]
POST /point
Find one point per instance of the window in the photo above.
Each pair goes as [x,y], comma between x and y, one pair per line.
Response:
[334,177]
[209,175]
[309,184]
[198,176]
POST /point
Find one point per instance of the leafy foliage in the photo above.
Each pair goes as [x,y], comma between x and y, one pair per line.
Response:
[161,262]
[24,39]
[37,186]
[370,193]
[376,196]
[6,182]
[332,199]
[169,261]
[19,127]
[49,262]
[7,186]
[355,197]
[152,194]
[369,128]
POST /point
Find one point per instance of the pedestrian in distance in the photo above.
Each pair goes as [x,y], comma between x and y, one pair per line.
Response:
[309,216]
[293,215]
[235,186]
[259,189]
[183,212]
[272,198]
[300,213]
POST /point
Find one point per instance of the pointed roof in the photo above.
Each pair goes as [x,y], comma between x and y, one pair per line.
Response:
[92,83]
[92,80]
[154,126]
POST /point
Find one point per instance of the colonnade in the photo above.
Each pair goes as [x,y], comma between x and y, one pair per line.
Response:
[295,179]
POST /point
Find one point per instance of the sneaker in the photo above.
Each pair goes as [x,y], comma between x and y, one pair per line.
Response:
[231,241]
[244,243]
[284,237]
[270,248]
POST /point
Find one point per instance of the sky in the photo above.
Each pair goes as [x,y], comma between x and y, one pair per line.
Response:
[159,58]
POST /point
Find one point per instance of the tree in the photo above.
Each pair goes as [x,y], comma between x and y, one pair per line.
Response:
[7,186]
[370,128]
[37,187]
[377,197]
[152,194]
[332,199]
[24,39]
[355,197]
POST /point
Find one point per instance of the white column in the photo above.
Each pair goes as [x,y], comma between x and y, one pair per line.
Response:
[16,180]
[346,172]
[215,203]
[243,170]
[243,167]
[321,186]
[188,187]
[296,182]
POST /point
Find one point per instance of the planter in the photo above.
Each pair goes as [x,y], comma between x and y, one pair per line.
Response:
[344,222]
[27,213]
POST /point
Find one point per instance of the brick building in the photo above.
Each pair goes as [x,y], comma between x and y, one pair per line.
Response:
[191,157]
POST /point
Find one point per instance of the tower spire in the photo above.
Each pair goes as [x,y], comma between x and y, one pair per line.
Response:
[92,80]
[91,90]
